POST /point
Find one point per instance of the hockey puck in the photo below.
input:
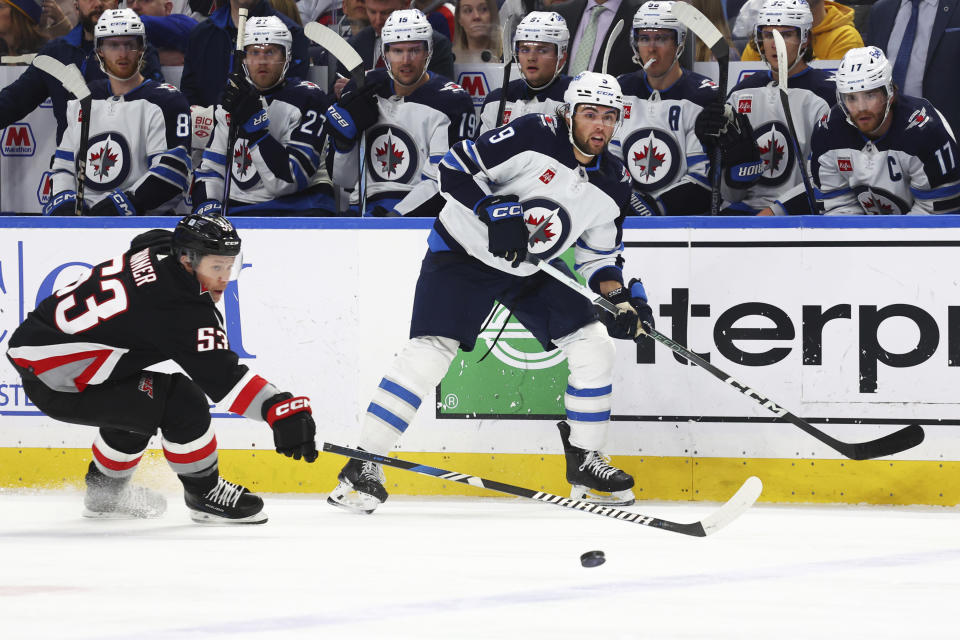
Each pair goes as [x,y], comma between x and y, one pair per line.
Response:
[592,559]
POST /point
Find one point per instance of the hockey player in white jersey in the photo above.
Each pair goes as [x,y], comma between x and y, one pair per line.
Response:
[540,51]
[658,144]
[411,117]
[779,189]
[280,156]
[882,152]
[137,158]
[539,186]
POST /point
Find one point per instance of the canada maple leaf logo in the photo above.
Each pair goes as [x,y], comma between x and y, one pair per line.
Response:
[873,205]
[772,154]
[242,158]
[541,234]
[103,159]
[389,156]
[648,159]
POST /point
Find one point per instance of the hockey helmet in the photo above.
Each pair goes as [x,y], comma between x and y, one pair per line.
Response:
[406,25]
[786,13]
[589,87]
[269,30]
[656,15]
[118,22]
[864,69]
[543,26]
[207,235]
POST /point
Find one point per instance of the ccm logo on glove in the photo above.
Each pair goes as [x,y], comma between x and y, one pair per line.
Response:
[293,405]
[506,212]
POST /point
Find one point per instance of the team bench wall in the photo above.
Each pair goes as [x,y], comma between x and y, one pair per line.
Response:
[853,323]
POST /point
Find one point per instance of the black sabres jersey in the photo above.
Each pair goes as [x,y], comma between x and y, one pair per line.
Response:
[128,313]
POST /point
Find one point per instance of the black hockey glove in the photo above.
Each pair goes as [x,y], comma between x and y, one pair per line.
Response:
[644,204]
[507,233]
[62,204]
[742,164]
[356,112]
[712,121]
[117,203]
[635,314]
[242,101]
[294,431]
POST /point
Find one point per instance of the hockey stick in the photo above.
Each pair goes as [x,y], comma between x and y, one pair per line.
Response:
[905,438]
[711,36]
[617,28]
[506,80]
[742,500]
[785,101]
[232,130]
[340,49]
[72,80]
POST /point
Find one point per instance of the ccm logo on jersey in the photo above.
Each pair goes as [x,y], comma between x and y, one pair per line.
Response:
[844,164]
[745,105]
[507,212]
[547,176]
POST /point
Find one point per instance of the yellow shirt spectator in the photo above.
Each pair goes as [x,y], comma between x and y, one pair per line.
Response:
[833,33]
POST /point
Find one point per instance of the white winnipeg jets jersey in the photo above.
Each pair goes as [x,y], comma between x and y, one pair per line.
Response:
[913,168]
[811,94]
[135,138]
[564,203]
[656,141]
[521,100]
[279,170]
[404,147]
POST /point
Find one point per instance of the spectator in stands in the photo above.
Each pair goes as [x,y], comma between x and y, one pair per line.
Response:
[928,68]
[477,35]
[590,22]
[166,31]
[367,42]
[354,18]
[440,14]
[57,20]
[20,27]
[209,54]
[290,9]
[34,86]
[713,10]
[832,36]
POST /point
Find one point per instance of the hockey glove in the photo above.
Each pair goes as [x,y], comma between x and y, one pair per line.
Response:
[712,122]
[739,153]
[507,234]
[644,204]
[62,204]
[294,431]
[240,98]
[356,112]
[635,314]
[209,208]
[117,203]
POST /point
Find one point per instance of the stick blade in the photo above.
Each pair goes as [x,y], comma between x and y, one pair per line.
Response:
[896,442]
[335,44]
[68,74]
[691,17]
[781,60]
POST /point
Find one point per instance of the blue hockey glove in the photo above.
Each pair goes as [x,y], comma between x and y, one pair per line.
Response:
[117,203]
[507,233]
[62,204]
[294,432]
[635,314]
[356,112]
[209,208]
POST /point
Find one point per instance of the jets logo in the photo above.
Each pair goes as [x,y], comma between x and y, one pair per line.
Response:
[880,202]
[776,152]
[652,157]
[452,86]
[244,171]
[548,224]
[392,155]
[918,118]
[108,161]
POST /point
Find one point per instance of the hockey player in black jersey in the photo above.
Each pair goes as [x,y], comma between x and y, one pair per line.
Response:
[83,353]
[881,152]
[410,117]
[279,160]
[541,186]
[540,51]
[137,155]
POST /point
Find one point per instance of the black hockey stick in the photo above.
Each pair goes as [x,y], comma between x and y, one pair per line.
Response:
[234,126]
[742,500]
[785,101]
[711,36]
[507,65]
[905,438]
[71,78]
[340,49]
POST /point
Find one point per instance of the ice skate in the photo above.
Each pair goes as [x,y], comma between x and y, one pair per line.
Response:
[225,503]
[592,477]
[361,487]
[116,498]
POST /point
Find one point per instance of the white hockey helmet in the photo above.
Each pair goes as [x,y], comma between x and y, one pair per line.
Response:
[269,30]
[589,87]
[118,22]
[656,15]
[542,26]
[406,25]
[786,13]
[863,69]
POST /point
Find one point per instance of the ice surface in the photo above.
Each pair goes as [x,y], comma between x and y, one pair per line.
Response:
[471,568]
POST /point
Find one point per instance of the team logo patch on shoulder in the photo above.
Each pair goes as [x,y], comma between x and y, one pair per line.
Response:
[918,118]
[844,163]
[745,104]
[548,122]
[168,87]
[547,176]
[308,84]
[707,83]
[452,86]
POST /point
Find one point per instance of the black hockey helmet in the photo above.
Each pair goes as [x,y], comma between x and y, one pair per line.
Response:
[206,235]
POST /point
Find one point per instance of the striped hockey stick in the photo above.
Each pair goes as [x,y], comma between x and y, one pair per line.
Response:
[742,500]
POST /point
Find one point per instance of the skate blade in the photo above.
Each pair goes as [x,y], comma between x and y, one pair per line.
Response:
[623,498]
[202,517]
[120,515]
[347,498]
